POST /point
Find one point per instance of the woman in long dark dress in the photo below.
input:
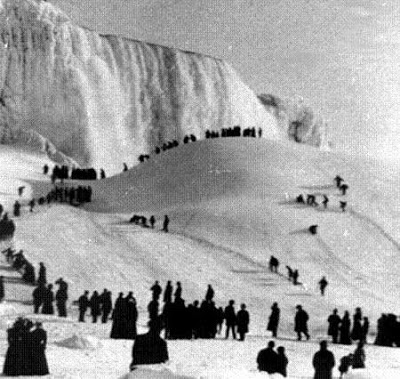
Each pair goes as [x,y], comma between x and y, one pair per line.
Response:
[39,341]
[345,329]
[48,300]
[11,362]
[118,329]
[131,317]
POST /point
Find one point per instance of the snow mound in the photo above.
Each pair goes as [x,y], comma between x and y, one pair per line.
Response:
[80,342]
[144,373]
[7,309]
[373,374]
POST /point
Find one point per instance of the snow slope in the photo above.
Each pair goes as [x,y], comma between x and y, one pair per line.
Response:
[231,206]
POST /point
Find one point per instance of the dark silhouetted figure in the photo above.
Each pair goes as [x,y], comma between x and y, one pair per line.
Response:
[300,323]
[356,333]
[300,199]
[209,293]
[311,200]
[48,300]
[152,308]
[334,322]
[322,285]
[165,223]
[345,329]
[282,362]
[343,205]
[359,356]
[365,329]
[45,169]
[323,362]
[102,174]
[131,316]
[118,329]
[267,359]
[313,229]
[242,321]
[156,290]
[106,305]
[21,190]
[83,303]
[296,277]
[2,293]
[273,264]
[168,292]
[325,201]
[61,301]
[290,273]
[42,274]
[178,291]
[39,342]
[149,348]
[338,180]
[273,321]
[125,167]
[152,221]
[345,363]
[94,304]
[38,295]
[344,188]
[31,205]
[230,319]
[17,209]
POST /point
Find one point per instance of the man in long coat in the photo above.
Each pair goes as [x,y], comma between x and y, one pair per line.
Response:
[300,323]
[323,362]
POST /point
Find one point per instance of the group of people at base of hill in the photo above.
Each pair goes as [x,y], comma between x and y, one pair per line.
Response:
[26,349]
[196,320]
[43,296]
[100,305]
[340,328]
[271,361]
[142,221]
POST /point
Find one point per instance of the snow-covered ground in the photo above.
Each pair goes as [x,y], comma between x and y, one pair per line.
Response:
[231,205]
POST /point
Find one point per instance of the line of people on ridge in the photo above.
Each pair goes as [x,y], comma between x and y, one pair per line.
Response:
[26,349]
[142,221]
[234,132]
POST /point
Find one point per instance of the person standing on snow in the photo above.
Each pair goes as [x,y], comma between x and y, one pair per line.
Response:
[242,320]
[274,320]
[323,362]
[300,323]
[322,285]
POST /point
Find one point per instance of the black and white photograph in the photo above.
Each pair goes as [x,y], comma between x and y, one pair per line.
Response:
[200,189]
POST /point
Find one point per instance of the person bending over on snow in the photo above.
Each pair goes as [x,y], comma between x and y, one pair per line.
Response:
[345,363]
[338,181]
[149,348]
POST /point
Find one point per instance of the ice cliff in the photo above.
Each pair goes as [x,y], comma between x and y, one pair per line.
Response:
[103,100]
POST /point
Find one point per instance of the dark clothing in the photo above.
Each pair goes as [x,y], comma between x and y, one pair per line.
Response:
[118,329]
[323,363]
[168,293]
[267,360]
[83,303]
[281,364]
[48,300]
[274,320]
[242,320]
[230,319]
[39,361]
[345,331]
[359,358]
[333,329]
[149,348]
[95,307]
[300,323]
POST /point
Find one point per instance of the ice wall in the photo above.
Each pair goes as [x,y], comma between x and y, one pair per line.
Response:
[103,99]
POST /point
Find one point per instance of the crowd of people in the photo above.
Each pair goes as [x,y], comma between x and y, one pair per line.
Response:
[388,330]
[234,132]
[142,221]
[26,349]
[21,264]
[100,305]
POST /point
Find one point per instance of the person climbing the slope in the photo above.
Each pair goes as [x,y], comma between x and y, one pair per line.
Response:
[323,283]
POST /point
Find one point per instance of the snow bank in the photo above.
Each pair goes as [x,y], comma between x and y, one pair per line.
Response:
[7,309]
[80,342]
[372,374]
[144,373]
